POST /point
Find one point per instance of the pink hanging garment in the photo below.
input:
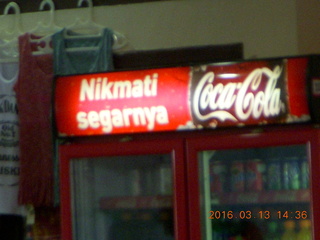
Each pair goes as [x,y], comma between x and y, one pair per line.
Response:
[33,92]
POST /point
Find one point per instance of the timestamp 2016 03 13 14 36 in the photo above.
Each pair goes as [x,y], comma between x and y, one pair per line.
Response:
[264,215]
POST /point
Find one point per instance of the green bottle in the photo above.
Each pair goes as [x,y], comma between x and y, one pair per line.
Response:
[273,232]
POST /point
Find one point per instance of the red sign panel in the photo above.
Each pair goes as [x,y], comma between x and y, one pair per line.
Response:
[225,94]
[122,102]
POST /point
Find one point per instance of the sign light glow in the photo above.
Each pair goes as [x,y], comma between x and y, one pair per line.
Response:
[170,99]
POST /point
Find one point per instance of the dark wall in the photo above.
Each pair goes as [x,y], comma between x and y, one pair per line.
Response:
[33,5]
[183,56]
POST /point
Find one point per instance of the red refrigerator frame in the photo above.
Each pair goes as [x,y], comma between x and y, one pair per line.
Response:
[264,137]
[116,148]
[184,145]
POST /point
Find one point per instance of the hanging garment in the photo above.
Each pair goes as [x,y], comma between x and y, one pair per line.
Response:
[9,133]
[88,54]
[77,54]
[34,89]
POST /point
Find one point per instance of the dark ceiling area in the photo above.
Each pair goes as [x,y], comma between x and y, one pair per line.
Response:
[33,5]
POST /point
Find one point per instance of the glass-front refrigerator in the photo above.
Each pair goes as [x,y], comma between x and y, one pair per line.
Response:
[222,151]
[260,185]
[123,190]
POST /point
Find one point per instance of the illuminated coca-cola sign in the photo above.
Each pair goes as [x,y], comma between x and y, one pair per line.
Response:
[219,98]
[224,96]
[170,99]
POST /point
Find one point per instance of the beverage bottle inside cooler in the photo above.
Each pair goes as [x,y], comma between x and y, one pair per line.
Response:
[291,174]
[305,174]
[305,230]
[289,232]
[237,176]
[273,173]
[273,233]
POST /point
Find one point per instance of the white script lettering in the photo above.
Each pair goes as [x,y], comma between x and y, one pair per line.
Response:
[248,98]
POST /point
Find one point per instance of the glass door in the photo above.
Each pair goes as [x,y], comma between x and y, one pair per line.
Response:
[255,193]
[254,187]
[124,191]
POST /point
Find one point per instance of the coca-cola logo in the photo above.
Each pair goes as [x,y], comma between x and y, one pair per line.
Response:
[255,97]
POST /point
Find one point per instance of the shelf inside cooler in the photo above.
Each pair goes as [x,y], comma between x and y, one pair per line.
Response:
[136,202]
[263,197]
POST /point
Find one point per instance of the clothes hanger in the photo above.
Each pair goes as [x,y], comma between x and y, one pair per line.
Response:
[45,30]
[89,29]
[120,41]
[9,47]
[84,29]
[7,35]
[50,28]
[9,52]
